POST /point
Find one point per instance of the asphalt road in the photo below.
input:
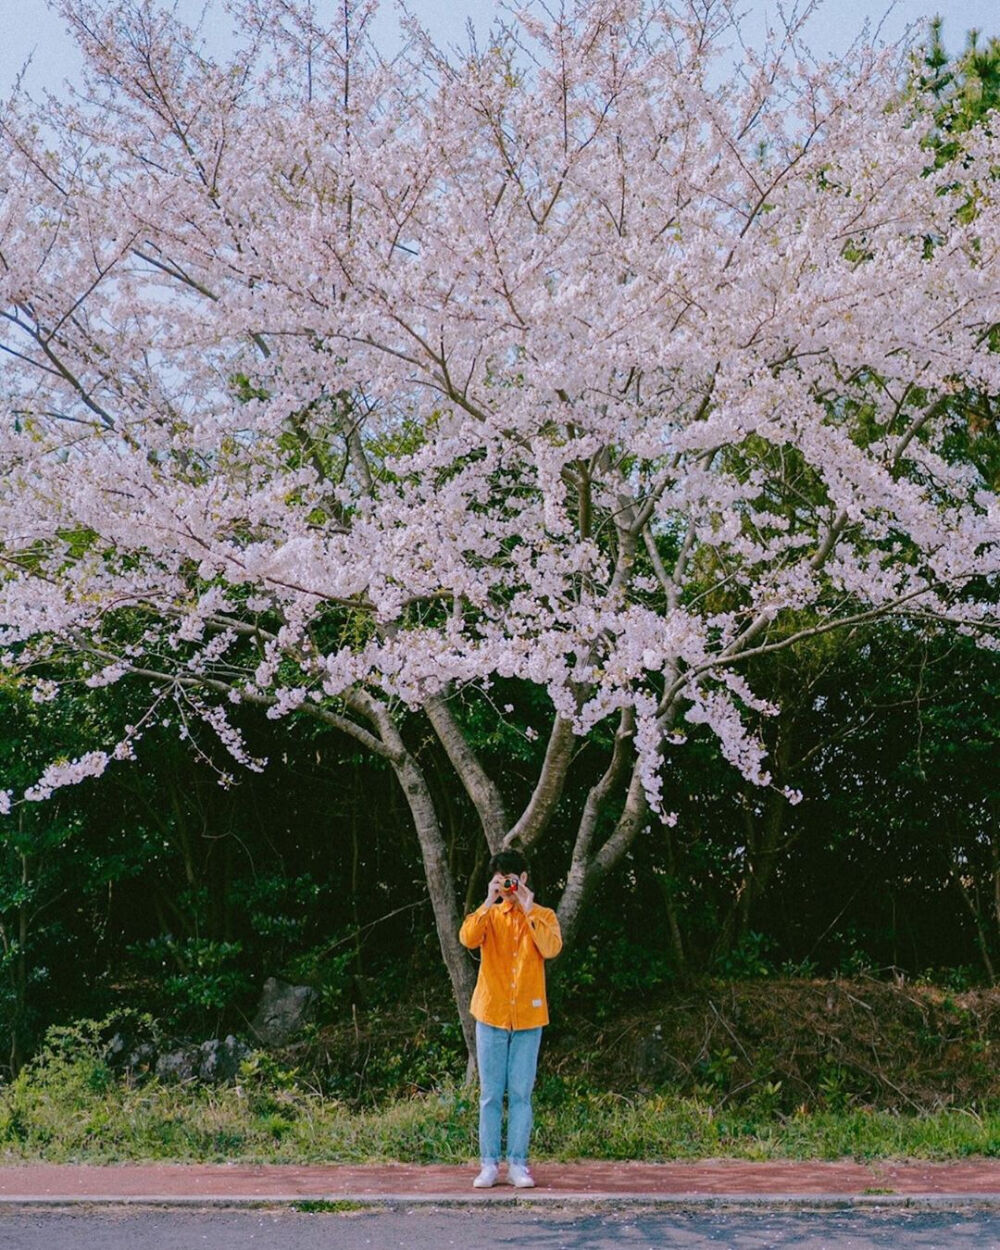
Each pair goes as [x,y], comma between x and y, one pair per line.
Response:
[438,1229]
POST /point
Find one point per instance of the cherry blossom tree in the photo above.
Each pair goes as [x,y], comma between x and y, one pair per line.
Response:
[602,356]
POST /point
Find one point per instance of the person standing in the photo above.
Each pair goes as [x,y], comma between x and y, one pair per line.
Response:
[515,936]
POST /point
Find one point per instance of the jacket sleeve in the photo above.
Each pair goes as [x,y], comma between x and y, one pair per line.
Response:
[473,931]
[544,925]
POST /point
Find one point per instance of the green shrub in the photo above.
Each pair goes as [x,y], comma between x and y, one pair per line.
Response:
[198,979]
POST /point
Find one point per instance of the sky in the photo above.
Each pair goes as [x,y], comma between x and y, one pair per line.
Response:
[30,29]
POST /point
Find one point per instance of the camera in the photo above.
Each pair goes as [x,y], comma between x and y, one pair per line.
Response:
[508,885]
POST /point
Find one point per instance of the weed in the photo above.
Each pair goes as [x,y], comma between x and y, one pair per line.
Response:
[329,1206]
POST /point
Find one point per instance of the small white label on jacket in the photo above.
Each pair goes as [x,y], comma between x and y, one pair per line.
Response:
[536,1002]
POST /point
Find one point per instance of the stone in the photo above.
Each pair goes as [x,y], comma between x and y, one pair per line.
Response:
[283,1012]
[178,1065]
[141,1060]
[220,1061]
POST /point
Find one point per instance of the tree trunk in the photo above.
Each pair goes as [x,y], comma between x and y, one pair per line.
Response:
[441,890]
[668,886]
[587,869]
[972,906]
[434,853]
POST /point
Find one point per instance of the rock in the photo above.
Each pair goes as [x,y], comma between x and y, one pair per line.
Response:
[213,1061]
[141,1060]
[220,1060]
[283,1012]
[178,1065]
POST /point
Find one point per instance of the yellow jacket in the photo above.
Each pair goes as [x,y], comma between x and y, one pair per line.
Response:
[510,991]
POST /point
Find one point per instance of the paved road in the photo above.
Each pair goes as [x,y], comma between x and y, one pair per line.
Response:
[438,1229]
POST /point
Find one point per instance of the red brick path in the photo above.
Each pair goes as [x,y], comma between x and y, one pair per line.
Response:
[713,1178]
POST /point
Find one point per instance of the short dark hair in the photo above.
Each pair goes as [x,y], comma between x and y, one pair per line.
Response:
[508,861]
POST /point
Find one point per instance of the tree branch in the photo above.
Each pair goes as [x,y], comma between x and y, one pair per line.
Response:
[479,786]
[534,820]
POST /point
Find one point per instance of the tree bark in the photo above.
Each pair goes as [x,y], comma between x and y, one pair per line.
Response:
[441,891]
[434,854]
[480,787]
[536,816]
[588,870]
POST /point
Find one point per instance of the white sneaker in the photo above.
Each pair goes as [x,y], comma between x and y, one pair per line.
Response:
[487,1178]
[519,1176]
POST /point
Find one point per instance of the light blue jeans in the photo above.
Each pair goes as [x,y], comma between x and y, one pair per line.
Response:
[508,1059]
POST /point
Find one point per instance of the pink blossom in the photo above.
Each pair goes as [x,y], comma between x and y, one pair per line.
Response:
[551,376]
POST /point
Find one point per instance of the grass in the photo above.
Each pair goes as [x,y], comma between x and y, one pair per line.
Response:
[664,1128]
[76,1111]
[68,1105]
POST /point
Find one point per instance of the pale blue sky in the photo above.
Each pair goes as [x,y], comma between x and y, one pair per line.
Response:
[29,28]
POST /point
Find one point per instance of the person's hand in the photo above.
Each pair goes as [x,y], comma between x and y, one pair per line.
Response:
[494,892]
[524,896]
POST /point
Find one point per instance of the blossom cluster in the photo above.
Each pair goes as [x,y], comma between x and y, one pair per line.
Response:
[599,375]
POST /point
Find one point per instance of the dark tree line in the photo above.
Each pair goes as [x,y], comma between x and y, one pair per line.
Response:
[161,889]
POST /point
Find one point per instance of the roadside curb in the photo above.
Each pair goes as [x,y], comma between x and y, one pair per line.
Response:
[343,1204]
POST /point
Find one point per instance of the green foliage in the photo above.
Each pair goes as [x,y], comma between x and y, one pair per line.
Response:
[966,90]
[70,1104]
[173,894]
[56,866]
[275,906]
[964,94]
[66,1108]
[198,978]
[609,971]
[714,1074]
[392,1058]
[328,969]
[748,959]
